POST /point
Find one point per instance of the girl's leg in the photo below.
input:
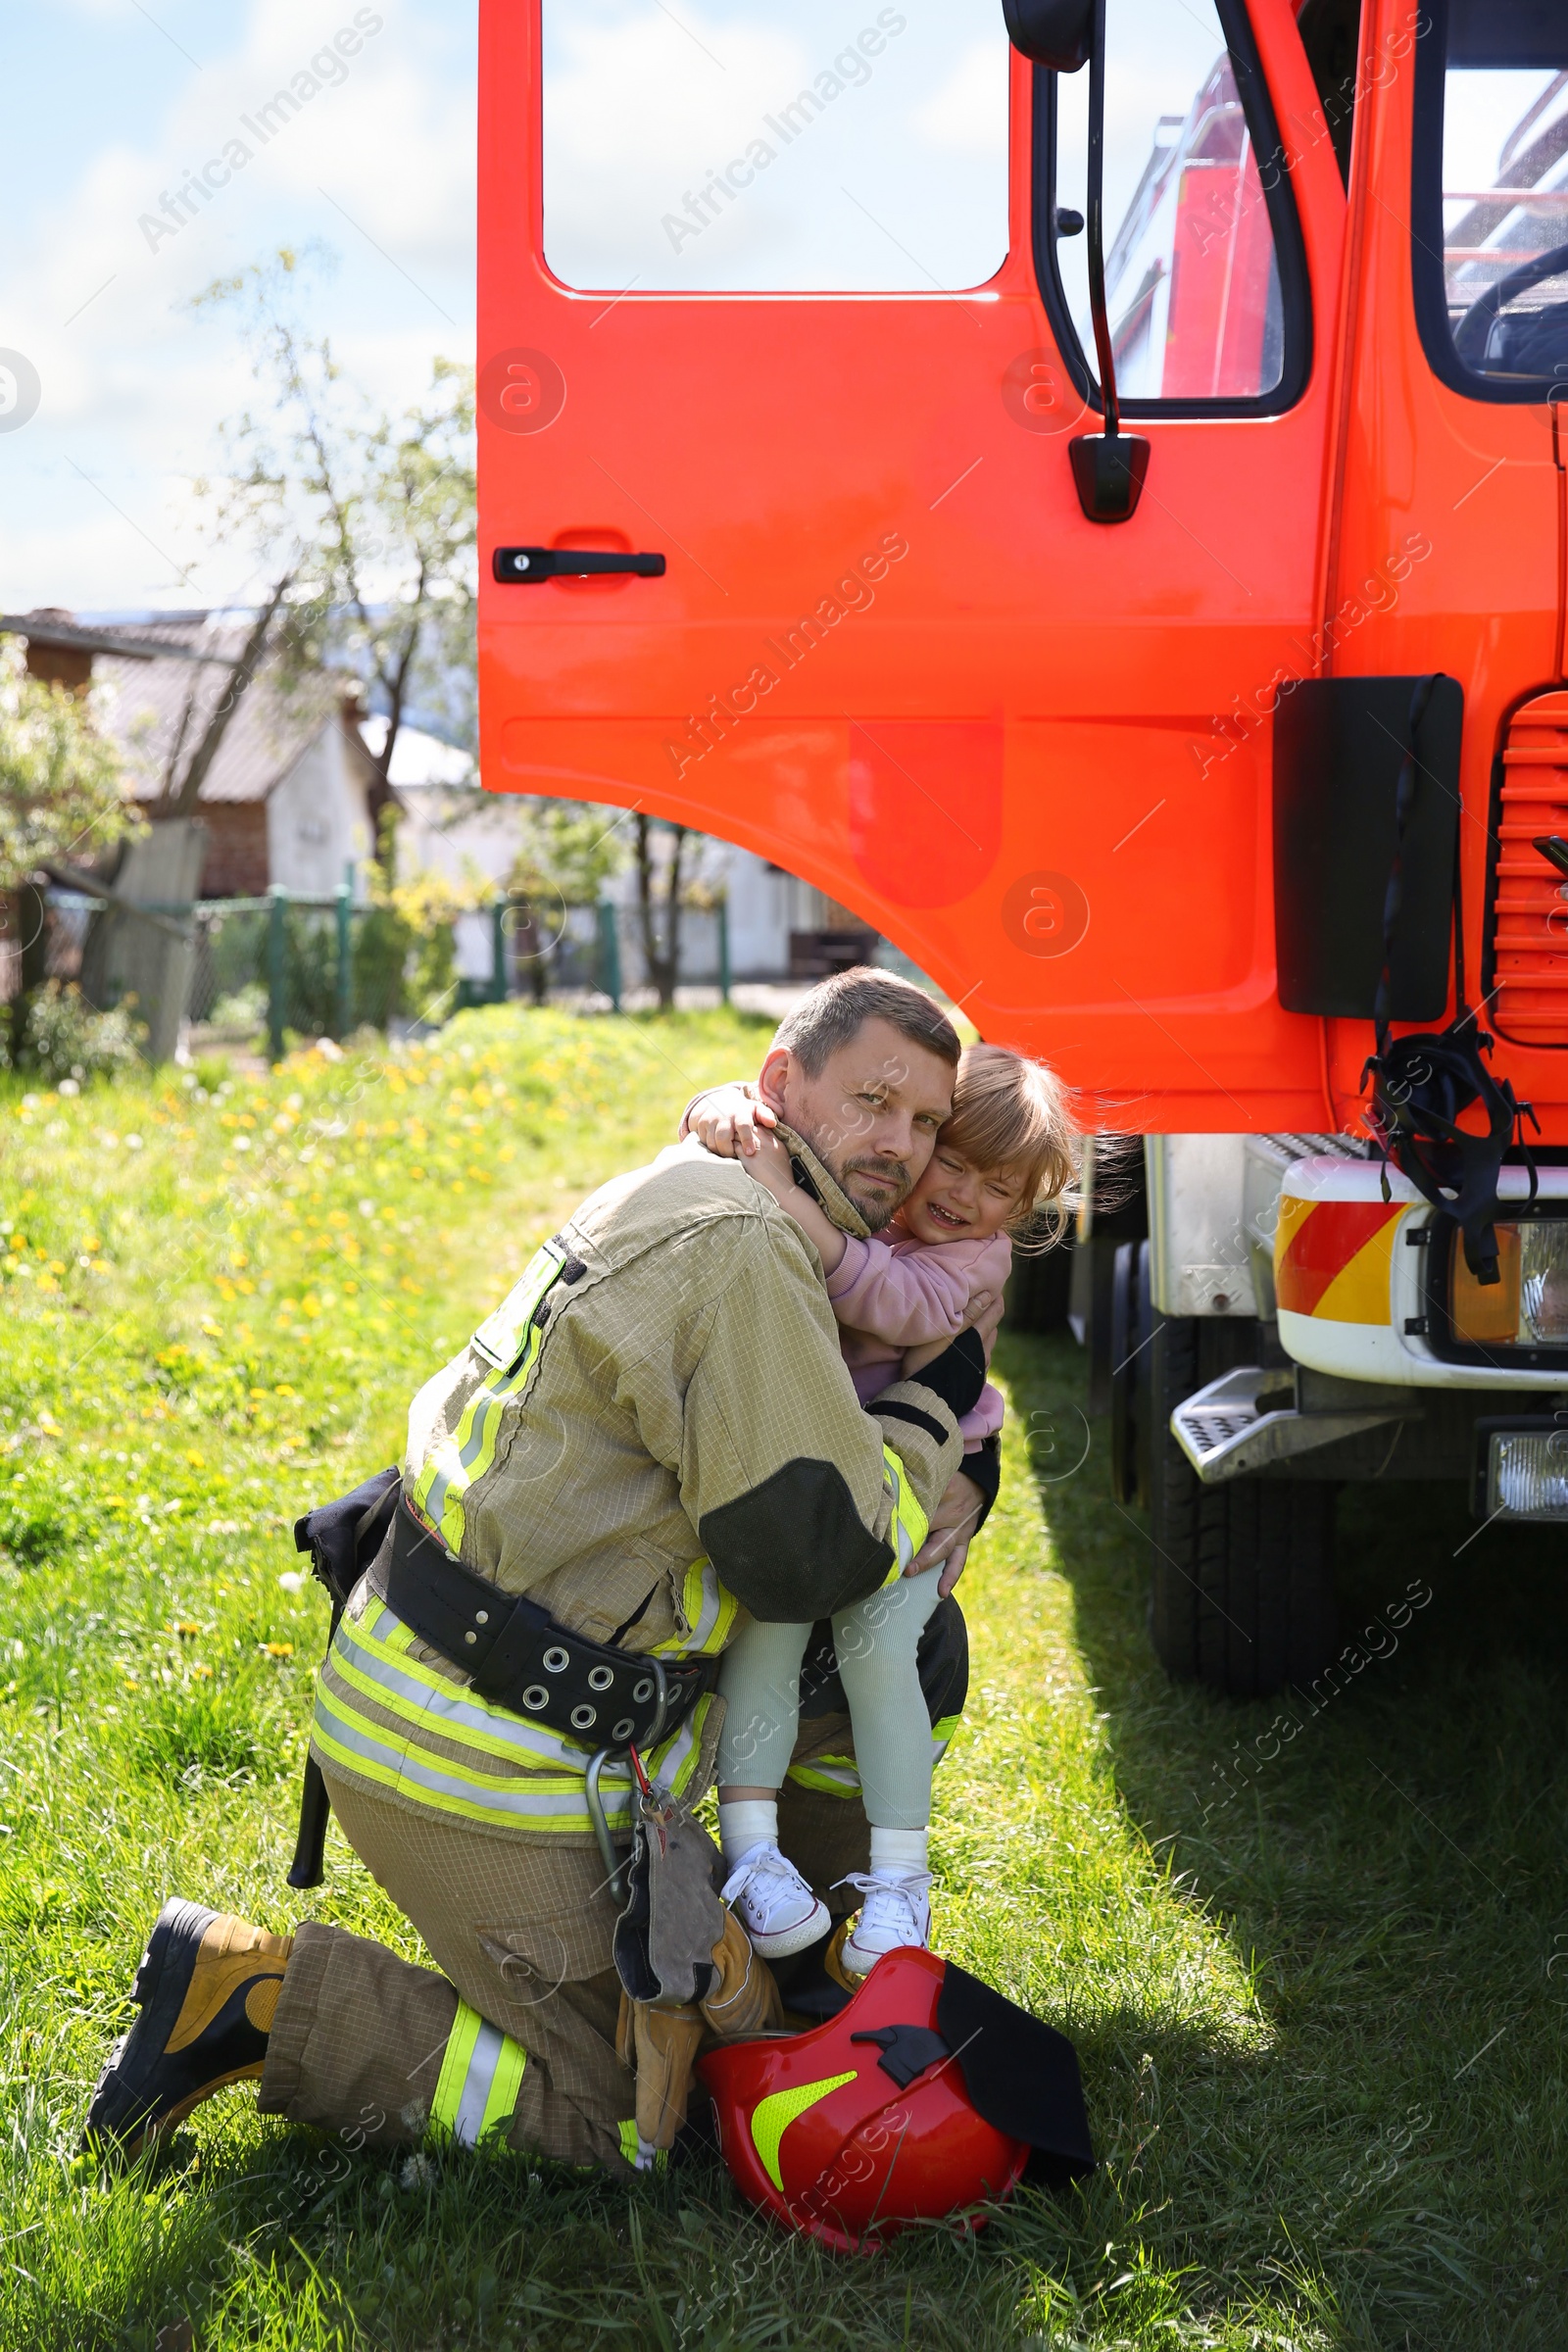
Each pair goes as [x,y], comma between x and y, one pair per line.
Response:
[759,1681]
[877,1642]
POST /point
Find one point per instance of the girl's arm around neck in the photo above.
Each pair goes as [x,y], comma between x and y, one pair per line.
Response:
[905,1295]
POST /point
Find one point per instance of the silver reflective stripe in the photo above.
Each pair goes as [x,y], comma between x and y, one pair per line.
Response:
[469,2122]
[451,1705]
[466,1789]
[414,1773]
[707,1614]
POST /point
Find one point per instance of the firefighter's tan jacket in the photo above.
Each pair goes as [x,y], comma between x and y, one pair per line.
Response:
[654,1430]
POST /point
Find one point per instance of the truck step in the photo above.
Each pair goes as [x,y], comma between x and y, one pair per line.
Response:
[1226,1430]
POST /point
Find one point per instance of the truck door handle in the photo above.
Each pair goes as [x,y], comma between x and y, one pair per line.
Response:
[527,567]
[1554,850]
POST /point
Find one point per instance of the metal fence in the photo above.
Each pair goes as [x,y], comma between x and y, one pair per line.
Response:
[601,948]
[235,971]
[239,970]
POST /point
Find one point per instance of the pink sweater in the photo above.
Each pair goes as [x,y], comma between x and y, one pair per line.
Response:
[890,1295]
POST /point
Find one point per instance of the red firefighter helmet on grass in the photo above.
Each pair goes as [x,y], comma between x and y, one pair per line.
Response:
[923,2100]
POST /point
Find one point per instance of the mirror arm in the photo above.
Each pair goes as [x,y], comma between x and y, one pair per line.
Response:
[1107,468]
[1096,227]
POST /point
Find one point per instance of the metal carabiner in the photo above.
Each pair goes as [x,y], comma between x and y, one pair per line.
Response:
[614,1863]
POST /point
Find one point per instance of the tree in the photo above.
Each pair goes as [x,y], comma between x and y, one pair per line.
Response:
[61,782]
[661,920]
[567,852]
[664,885]
[367,520]
[61,796]
[183,785]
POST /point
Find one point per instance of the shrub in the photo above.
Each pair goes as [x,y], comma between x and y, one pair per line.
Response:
[241,1013]
[62,1037]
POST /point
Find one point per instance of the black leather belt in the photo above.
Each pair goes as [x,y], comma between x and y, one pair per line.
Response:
[520,1658]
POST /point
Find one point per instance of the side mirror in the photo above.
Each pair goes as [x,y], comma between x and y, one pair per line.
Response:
[1056,33]
[1062,35]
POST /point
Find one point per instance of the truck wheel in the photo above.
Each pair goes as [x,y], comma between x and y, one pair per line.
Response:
[1131,1456]
[1242,1593]
[1037,1290]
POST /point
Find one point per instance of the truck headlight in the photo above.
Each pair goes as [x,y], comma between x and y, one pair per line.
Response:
[1528,1307]
[1527,1474]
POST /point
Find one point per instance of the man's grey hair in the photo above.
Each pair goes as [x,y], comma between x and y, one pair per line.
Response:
[832,1014]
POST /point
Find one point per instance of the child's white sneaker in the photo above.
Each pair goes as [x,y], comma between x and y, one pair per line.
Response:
[895,1915]
[773,1903]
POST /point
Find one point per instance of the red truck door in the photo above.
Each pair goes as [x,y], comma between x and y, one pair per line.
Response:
[792,300]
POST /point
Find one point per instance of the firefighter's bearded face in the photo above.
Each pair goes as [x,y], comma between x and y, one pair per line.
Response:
[870,1114]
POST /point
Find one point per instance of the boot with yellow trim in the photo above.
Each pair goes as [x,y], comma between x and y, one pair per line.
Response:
[207,1989]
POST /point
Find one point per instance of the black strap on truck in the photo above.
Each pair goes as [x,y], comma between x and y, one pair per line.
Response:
[1424,1083]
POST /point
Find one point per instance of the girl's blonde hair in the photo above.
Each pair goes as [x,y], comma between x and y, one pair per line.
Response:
[1009,1112]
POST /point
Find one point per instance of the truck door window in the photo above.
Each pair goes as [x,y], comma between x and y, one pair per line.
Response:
[1491,198]
[1204,274]
[738,146]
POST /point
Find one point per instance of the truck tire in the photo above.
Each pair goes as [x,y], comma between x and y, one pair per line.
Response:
[1242,1590]
[1131,1311]
[1037,1290]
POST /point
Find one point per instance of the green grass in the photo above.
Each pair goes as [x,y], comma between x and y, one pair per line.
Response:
[1315,1969]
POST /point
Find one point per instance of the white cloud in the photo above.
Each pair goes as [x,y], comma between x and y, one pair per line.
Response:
[827,187]
[133,385]
[969,117]
[638,110]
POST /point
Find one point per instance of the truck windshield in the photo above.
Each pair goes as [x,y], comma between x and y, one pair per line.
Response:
[1499,173]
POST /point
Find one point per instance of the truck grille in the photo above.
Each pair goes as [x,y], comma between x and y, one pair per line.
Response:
[1526,960]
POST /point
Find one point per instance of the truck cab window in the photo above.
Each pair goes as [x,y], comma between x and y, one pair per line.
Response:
[1204,317]
[1491,199]
[1330,33]
[735,146]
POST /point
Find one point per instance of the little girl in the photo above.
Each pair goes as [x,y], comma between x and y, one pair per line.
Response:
[1005,1151]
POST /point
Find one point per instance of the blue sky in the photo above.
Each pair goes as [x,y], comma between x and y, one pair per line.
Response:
[115,103]
[112,106]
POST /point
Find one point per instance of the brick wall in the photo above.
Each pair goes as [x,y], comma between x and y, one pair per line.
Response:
[235,865]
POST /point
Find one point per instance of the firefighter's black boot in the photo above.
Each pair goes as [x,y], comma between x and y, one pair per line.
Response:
[207,1987]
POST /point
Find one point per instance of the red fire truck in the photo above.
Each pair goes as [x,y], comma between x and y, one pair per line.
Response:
[1095,504]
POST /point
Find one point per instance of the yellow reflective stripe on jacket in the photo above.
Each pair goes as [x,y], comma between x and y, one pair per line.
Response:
[370,1666]
[373,1659]
[709,1612]
[482,2075]
[832,1776]
[839,1776]
[463,1457]
[910,1526]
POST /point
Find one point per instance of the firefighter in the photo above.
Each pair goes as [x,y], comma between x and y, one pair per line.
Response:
[653,1433]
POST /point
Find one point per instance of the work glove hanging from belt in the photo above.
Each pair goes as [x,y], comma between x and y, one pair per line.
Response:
[685,1963]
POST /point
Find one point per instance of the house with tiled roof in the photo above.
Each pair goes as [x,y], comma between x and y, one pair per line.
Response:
[292,790]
